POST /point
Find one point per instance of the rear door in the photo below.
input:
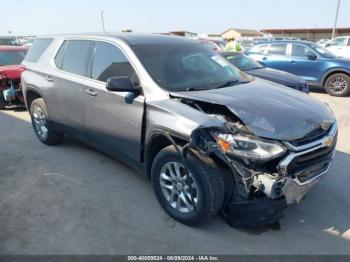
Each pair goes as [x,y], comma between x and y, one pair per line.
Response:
[113,119]
[276,56]
[69,80]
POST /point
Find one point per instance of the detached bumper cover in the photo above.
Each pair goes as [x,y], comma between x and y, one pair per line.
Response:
[265,211]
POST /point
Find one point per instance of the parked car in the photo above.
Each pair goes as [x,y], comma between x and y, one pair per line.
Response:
[254,68]
[323,42]
[314,63]
[11,69]
[8,40]
[210,137]
[340,46]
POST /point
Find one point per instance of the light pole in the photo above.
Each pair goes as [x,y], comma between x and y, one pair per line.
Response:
[103,21]
[336,19]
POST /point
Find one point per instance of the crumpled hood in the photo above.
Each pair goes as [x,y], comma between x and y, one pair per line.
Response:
[268,110]
[12,71]
[277,76]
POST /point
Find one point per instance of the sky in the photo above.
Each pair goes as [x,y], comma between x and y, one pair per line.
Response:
[42,17]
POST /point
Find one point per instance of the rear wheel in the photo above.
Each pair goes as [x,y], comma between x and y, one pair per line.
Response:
[338,84]
[42,125]
[189,197]
[2,101]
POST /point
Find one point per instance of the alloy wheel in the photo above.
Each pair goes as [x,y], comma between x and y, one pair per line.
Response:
[177,185]
[338,85]
[40,123]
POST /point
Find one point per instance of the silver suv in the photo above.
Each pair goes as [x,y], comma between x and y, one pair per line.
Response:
[211,138]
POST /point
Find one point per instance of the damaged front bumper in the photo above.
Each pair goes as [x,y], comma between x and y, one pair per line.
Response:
[269,195]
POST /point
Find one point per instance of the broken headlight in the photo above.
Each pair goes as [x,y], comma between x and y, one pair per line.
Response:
[249,147]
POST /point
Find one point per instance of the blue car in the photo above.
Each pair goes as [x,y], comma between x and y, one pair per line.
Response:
[314,63]
[254,68]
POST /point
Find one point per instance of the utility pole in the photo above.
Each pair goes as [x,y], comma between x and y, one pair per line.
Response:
[103,21]
[336,20]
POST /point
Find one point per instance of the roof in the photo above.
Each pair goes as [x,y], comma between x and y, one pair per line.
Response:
[244,31]
[307,30]
[286,41]
[12,48]
[132,38]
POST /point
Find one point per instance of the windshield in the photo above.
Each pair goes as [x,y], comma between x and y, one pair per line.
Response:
[12,57]
[187,67]
[243,62]
[322,50]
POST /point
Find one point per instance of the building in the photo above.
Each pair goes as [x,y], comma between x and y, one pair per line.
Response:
[235,33]
[311,34]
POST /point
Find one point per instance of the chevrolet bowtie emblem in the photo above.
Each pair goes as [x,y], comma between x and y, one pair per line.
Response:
[328,142]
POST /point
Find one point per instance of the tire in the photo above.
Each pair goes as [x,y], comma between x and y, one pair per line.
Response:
[43,127]
[337,84]
[209,187]
[2,101]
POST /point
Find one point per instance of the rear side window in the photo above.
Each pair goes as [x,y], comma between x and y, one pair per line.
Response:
[260,49]
[277,49]
[37,49]
[109,61]
[76,56]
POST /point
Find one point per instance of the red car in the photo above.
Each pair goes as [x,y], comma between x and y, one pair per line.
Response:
[11,69]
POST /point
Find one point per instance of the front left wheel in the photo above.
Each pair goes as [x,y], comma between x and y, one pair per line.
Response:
[189,197]
[43,127]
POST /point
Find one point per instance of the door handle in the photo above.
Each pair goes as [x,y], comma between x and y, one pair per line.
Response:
[292,62]
[49,79]
[264,58]
[90,92]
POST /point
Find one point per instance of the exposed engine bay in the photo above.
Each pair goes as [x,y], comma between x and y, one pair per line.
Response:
[262,188]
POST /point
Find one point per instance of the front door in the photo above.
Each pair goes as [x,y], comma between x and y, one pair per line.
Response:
[113,119]
[305,63]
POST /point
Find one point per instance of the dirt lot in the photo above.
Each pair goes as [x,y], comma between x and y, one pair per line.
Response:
[71,199]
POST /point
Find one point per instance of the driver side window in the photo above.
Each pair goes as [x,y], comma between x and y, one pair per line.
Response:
[110,61]
[300,50]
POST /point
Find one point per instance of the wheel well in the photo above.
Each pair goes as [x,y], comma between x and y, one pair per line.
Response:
[332,73]
[156,144]
[30,97]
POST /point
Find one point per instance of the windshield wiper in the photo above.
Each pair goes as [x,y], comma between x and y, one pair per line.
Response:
[227,84]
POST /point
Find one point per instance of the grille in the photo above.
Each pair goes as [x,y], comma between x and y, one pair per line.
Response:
[308,165]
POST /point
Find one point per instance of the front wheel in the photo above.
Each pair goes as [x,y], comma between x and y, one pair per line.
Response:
[42,125]
[189,197]
[338,84]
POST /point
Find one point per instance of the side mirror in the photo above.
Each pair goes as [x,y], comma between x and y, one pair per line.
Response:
[311,56]
[121,84]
